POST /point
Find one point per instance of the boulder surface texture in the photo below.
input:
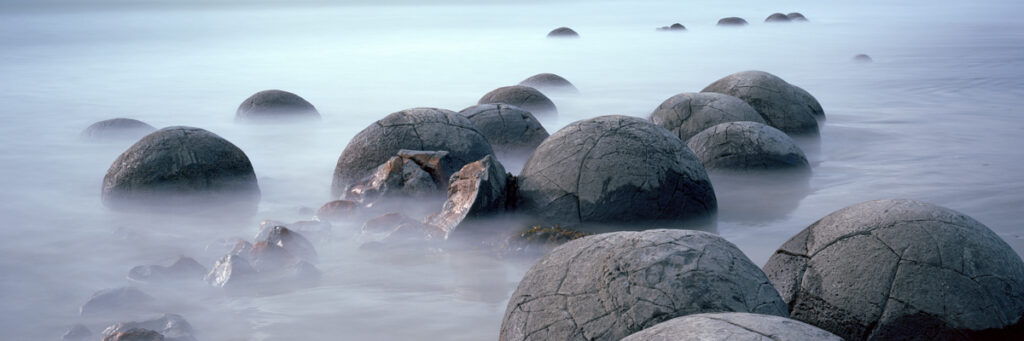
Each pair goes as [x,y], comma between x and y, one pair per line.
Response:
[732,326]
[746,146]
[689,113]
[509,129]
[780,104]
[524,97]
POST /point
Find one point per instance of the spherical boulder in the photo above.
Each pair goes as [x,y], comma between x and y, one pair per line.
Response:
[563,32]
[524,97]
[614,170]
[777,17]
[689,113]
[117,129]
[611,285]
[796,16]
[179,168]
[677,27]
[746,146]
[732,326]
[901,270]
[732,21]
[549,82]
[275,105]
[776,100]
[413,129]
[511,131]
[812,103]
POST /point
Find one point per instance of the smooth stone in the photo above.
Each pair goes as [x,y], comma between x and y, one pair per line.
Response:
[563,32]
[114,300]
[777,18]
[117,129]
[796,16]
[549,82]
[275,106]
[689,113]
[862,58]
[746,146]
[732,21]
[182,269]
[524,97]
[778,102]
[512,132]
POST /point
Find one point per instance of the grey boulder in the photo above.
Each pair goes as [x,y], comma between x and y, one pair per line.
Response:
[732,21]
[563,32]
[796,16]
[524,97]
[778,17]
[117,129]
[611,285]
[901,269]
[778,102]
[689,113]
[746,146]
[732,326]
[478,190]
[511,131]
[275,105]
[137,334]
[812,103]
[549,82]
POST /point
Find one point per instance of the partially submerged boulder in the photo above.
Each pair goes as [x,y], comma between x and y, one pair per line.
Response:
[778,102]
[746,146]
[777,18]
[524,97]
[479,189]
[314,230]
[549,82]
[115,300]
[611,285]
[732,326]
[182,269]
[275,106]
[689,113]
[796,16]
[732,21]
[387,223]
[563,32]
[511,131]
[172,327]
[291,241]
[862,58]
[117,129]
[673,27]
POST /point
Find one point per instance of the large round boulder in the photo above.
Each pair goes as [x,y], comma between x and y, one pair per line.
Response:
[412,129]
[511,131]
[181,168]
[563,32]
[549,82]
[689,113]
[812,103]
[117,129]
[746,146]
[614,170]
[275,105]
[778,102]
[525,97]
[611,285]
[732,326]
[901,270]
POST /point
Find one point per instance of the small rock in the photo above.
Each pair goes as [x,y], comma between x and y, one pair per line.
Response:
[77,332]
[438,163]
[862,58]
[732,21]
[172,327]
[183,268]
[116,299]
[266,257]
[563,32]
[231,271]
[135,335]
[396,178]
[292,241]
[386,223]
[336,211]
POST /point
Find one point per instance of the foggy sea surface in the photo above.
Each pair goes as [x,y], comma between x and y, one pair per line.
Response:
[936,117]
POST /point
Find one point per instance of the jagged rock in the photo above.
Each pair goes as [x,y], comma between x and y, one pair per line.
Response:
[115,299]
[181,168]
[77,332]
[862,58]
[292,241]
[608,286]
[414,129]
[396,178]
[778,102]
[511,131]
[746,146]
[241,248]
[563,32]
[137,334]
[275,105]
[778,17]
[689,113]
[117,129]
[336,211]
[438,163]
[732,21]
[812,103]
[901,269]
[264,256]
[172,327]
[524,97]
[614,170]
[732,326]
[549,82]
[386,223]
[479,189]
[796,16]
[183,268]
[231,271]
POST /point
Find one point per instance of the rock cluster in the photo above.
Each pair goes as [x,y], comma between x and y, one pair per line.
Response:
[689,113]
[282,260]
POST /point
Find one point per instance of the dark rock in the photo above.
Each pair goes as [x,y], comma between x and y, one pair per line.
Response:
[114,300]
[778,102]
[611,285]
[439,164]
[183,268]
[181,168]
[478,190]
[172,327]
[677,27]
[117,129]
[512,132]
[812,103]
[689,113]
[265,257]
[796,16]
[732,326]
[901,270]
[549,82]
[77,332]
[292,241]
[746,146]
[313,229]
[137,334]
[732,21]
[396,178]
[386,223]
[563,32]
[539,240]
[778,17]
[275,105]
[336,211]
[615,170]
[524,97]
[414,129]
[231,272]
[862,58]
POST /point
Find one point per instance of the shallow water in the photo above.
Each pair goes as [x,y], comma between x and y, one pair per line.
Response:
[934,118]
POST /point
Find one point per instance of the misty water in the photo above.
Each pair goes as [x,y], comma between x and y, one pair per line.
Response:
[935,118]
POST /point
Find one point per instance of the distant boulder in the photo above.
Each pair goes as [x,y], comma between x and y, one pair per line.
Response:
[796,16]
[524,97]
[778,17]
[746,146]
[732,21]
[275,106]
[862,58]
[172,327]
[117,129]
[549,82]
[563,32]
[114,300]
[779,103]
[183,268]
[511,131]
[689,113]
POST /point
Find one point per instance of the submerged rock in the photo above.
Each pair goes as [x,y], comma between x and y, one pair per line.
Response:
[901,269]
[511,131]
[117,129]
[231,271]
[524,97]
[396,178]
[313,229]
[292,241]
[563,32]
[387,223]
[746,146]
[275,105]
[115,300]
[336,211]
[611,285]
[778,17]
[778,102]
[862,58]
[732,21]
[732,326]
[478,190]
[77,332]
[549,82]
[172,327]
[689,113]
[183,268]
[137,334]
[796,16]
[673,27]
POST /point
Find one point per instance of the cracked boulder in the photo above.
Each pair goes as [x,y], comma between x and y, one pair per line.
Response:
[901,269]
[396,178]
[172,327]
[411,129]
[478,190]
[780,104]
[732,326]
[746,146]
[549,82]
[524,97]
[615,170]
[183,268]
[512,132]
[563,32]
[117,129]
[275,105]
[689,113]
[181,168]
[732,21]
[611,285]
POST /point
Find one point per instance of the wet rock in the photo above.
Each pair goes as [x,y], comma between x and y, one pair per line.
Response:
[77,332]
[172,327]
[563,32]
[114,300]
[231,272]
[439,164]
[732,326]
[292,241]
[796,16]
[180,169]
[336,211]
[275,105]
[614,170]
[901,269]
[812,103]
[778,102]
[549,82]
[264,256]
[746,146]
[524,97]
[314,230]
[183,268]
[689,113]
[478,190]
[413,129]
[611,285]
[862,58]
[386,223]
[511,131]
[276,268]
[241,248]
[117,129]
[732,21]
[137,334]
[396,178]
[778,17]
[539,240]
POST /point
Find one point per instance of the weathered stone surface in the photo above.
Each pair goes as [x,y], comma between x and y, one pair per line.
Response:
[608,286]
[183,268]
[137,334]
[336,210]
[290,240]
[732,21]
[901,269]
[275,105]
[231,271]
[796,16]
[478,190]
[172,327]
[732,326]
[115,299]
[396,178]
[77,332]
[563,32]
[778,17]
[117,129]
[689,113]
[438,163]
[812,103]
[512,132]
[862,58]
[746,146]
[414,129]
[614,170]
[549,82]
[778,102]
[179,168]
[524,97]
